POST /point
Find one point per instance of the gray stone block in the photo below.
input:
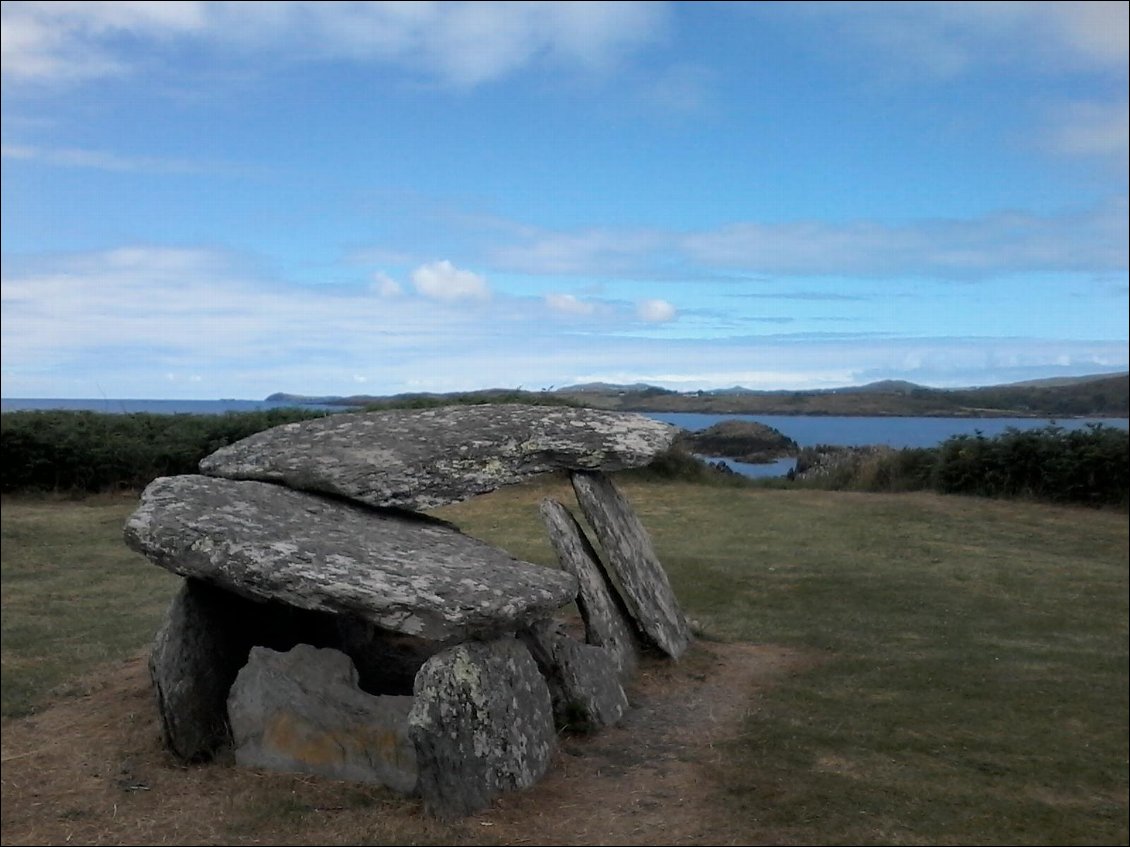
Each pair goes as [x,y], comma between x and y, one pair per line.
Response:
[483,725]
[302,711]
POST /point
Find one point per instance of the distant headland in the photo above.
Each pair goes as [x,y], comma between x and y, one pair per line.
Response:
[1098,395]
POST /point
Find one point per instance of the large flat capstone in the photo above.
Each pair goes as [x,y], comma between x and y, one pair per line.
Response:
[422,459]
[268,542]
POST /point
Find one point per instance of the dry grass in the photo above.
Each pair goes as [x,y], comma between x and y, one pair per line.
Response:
[883,669]
[91,770]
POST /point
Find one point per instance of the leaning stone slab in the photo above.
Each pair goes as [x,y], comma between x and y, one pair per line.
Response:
[421,459]
[267,542]
[605,622]
[302,711]
[583,679]
[639,577]
[483,725]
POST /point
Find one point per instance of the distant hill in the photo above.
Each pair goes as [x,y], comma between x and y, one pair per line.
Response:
[1100,395]
[886,386]
[611,388]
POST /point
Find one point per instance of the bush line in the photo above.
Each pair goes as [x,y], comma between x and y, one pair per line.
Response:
[82,452]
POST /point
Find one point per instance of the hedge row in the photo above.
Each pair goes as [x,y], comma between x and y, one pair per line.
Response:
[1088,466]
[92,452]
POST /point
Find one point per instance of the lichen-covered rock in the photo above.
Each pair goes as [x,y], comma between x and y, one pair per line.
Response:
[421,459]
[268,542]
[483,725]
[632,564]
[606,624]
[195,657]
[302,711]
[583,679]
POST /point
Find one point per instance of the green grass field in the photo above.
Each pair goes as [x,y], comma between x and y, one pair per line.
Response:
[972,678]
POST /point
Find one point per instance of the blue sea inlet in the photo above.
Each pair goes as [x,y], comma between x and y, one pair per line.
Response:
[805,430]
[896,432]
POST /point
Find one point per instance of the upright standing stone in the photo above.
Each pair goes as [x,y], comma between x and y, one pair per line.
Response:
[482,723]
[195,657]
[421,459]
[605,623]
[633,565]
[582,678]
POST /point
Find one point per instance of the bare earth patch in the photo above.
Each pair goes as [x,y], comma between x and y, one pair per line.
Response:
[91,770]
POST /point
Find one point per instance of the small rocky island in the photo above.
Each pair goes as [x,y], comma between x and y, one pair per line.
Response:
[327,625]
[739,440]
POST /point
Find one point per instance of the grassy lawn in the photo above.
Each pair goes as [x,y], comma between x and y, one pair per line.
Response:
[74,596]
[971,673]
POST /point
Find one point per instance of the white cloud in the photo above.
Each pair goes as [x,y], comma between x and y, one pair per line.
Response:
[945,40]
[385,285]
[456,43]
[443,281]
[71,41]
[114,323]
[655,311]
[569,304]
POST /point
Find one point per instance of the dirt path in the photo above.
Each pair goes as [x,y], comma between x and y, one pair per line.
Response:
[91,770]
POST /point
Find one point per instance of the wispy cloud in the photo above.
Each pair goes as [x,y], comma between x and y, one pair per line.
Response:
[569,304]
[945,40]
[589,251]
[385,286]
[1091,240]
[655,311]
[140,320]
[1091,129]
[69,157]
[453,43]
[816,296]
[68,42]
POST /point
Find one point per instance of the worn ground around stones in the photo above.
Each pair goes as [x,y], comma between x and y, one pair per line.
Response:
[91,770]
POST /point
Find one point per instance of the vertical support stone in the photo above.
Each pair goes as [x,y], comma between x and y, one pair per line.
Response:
[605,622]
[482,724]
[194,660]
[583,684]
[632,563]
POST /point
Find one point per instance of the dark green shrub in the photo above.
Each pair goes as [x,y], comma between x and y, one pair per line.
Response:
[1089,466]
[676,463]
[90,452]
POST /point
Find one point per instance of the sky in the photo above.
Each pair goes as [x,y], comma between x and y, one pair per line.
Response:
[226,200]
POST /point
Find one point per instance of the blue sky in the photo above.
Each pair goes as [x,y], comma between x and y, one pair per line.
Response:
[205,200]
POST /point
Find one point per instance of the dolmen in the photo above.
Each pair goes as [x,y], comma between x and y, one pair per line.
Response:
[327,624]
